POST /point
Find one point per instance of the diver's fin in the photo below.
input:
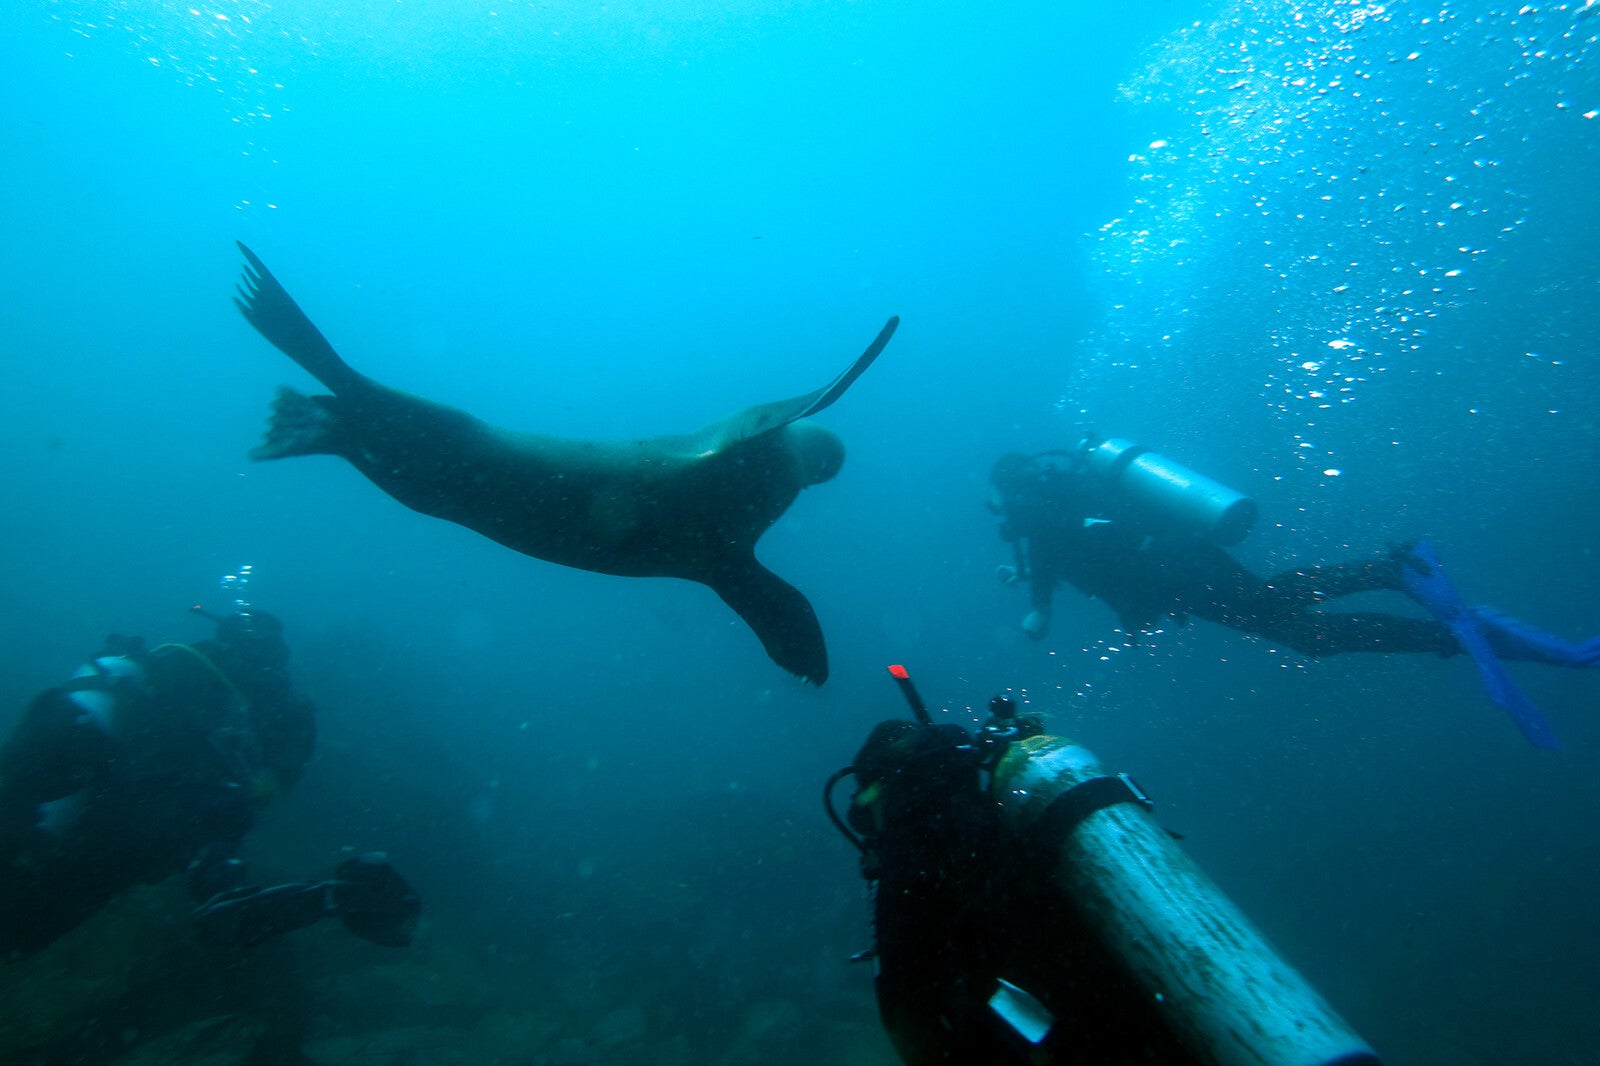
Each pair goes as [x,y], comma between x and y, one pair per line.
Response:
[1425,581]
[300,425]
[268,307]
[778,614]
[766,417]
[1512,638]
[1589,651]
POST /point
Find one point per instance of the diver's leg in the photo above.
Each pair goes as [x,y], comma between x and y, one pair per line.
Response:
[1316,633]
[1308,585]
[1220,589]
[1267,609]
[1279,608]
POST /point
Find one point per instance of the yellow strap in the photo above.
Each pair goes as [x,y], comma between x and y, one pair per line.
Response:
[205,661]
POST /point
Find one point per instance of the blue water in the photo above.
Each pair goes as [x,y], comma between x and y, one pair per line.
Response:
[1345,257]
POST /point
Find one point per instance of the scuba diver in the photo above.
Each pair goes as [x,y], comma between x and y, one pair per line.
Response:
[1028,910]
[151,762]
[1148,536]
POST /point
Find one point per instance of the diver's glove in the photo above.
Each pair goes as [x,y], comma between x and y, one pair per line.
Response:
[374,902]
[1036,624]
[1007,574]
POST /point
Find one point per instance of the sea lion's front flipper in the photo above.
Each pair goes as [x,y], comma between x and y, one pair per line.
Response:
[809,404]
[267,306]
[766,417]
[779,615]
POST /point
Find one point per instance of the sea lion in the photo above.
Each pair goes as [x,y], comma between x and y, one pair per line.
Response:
[683,506]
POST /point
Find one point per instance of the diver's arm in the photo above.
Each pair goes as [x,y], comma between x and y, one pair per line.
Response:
[243,917]
[238,914]
[374,902]
[215,870]
[1041,586]
[1010,575]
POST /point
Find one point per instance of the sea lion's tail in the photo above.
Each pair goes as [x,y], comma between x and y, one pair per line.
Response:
[267,306]
[300,425]
[780,616]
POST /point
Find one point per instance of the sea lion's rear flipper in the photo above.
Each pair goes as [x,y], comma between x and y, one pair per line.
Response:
[779,615]
[267,306]
[766,417]
[300,425]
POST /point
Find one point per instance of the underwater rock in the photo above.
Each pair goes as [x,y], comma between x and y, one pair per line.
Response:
[413,1045]
[503,1032]
[774,1019]
[226,1040]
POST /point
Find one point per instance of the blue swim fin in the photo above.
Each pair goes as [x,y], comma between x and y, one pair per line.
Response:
[1425,582]
[1512,638]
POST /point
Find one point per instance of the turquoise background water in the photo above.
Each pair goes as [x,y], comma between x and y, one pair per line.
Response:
[1341,256]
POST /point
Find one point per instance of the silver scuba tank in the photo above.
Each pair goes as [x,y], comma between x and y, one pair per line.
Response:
[1220,987]
[1159,490]
[99,689]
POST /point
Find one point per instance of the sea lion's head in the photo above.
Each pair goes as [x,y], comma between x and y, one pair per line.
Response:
[817,453]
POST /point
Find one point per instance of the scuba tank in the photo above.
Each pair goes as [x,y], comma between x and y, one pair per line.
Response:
[154,705]
[1029,910]
[1157,490]
[101,688]
[1219,986]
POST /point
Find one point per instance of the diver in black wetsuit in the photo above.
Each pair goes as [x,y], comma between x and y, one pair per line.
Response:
[1028,910]
[1070,520]
[961,900]
[154,762]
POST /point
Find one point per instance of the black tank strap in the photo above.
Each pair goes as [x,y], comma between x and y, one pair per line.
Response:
[1068,810]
